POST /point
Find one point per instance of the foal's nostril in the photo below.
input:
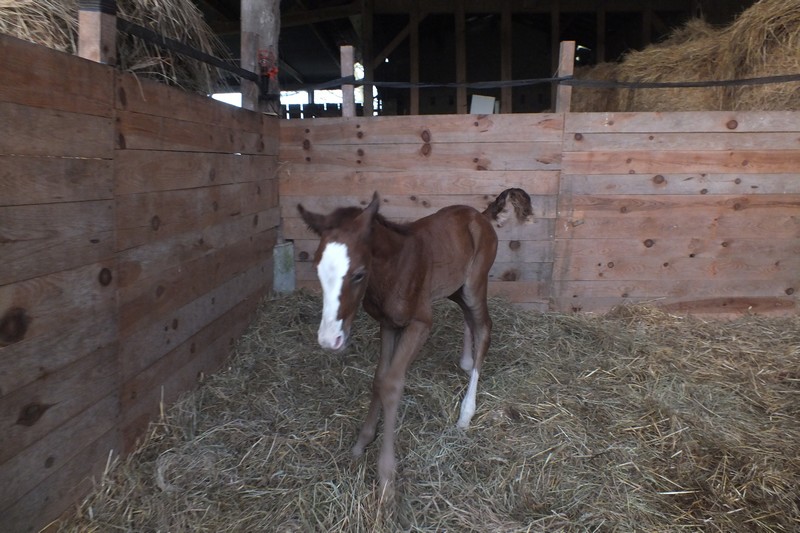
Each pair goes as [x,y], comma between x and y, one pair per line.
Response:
[338,342]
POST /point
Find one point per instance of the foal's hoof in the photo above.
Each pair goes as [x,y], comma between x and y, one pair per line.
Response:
[357,450]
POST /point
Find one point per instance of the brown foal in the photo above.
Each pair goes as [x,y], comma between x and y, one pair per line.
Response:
[397,271]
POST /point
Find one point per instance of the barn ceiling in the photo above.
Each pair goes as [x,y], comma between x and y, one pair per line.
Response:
[313,30]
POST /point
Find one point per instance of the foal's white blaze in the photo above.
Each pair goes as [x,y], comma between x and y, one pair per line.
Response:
[468,405]
[331,270]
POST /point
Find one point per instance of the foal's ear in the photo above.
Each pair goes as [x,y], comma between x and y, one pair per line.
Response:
[315,222]
[368,214]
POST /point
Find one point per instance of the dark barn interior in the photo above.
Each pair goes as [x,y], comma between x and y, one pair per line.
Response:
[459,41]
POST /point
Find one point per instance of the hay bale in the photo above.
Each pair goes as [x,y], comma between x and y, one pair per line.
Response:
[763,41]
[595,99]
[633,421]
[55,24]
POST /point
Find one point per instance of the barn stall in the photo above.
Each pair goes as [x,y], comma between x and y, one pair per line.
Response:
[693,212]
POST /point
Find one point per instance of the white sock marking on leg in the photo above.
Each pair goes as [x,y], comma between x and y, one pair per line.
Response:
[468,405]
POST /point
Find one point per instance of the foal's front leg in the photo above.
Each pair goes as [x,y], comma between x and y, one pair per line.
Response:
[389,336]
[408,345]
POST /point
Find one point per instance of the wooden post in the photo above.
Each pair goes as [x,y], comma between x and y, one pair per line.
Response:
[366,54]
[97,31]
[555,39]
[506,101]
[414,59]
[260,29]
[566,67]
[348,91]
[601,35]
[461,58]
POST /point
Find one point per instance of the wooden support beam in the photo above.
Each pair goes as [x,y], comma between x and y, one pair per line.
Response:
[261,25]
[600,52]
[366,54]
[647,25]
[461,59]
[506,98]
[566,67]
[348,91]
[414,53]
[97,31]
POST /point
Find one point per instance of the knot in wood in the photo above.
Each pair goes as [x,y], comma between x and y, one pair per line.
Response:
[732,124]
[13,326]
[649,243]
[105,277]
[31,413]
[426,149]
[426,136]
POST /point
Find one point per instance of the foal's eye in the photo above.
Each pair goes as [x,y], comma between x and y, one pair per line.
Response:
[358,277]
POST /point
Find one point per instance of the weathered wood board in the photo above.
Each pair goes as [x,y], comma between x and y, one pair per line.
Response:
[136,232]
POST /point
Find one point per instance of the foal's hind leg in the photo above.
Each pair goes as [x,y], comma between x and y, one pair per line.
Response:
[473,301]
[467,353]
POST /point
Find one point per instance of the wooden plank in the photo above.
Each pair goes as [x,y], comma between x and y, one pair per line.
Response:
[181,368]
[155,341]
[680,258]
[46,132]
[36,76]
[298,181]
[45,503]
[37,240]
[136,95]
[143,218]
[576,207]
[44,180]
[521,127]
[146,261]
[137,171]
[429,157]
[718,308]
[685,141]
[682,122]
[152,299]
[671,184]
[520,291]
[139,131]
[30,413]
[658,289]
[681,161]
[36,463]
[69,314]
[663,224]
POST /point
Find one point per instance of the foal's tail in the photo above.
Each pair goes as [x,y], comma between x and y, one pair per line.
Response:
[516,199]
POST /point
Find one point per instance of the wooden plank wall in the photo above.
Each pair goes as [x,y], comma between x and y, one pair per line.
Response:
[420,164]
[697,212]
[136,233]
